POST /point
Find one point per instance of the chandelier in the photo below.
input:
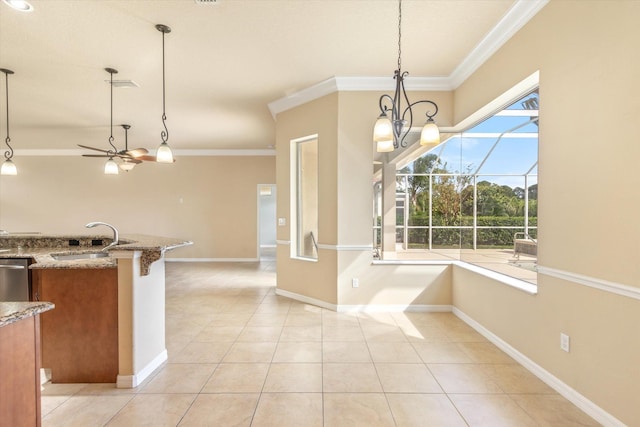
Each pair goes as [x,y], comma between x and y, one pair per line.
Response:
[389,133]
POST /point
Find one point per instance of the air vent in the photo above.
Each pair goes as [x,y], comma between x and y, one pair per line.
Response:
[124,83]
[206,1]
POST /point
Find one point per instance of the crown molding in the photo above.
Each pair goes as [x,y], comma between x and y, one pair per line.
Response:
[177,153]
[519,14]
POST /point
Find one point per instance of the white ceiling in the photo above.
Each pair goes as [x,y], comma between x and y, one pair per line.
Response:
[225,62]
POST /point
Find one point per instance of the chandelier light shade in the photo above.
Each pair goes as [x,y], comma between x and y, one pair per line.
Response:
[395,121]
[8,167]
[111,167]
[164,153]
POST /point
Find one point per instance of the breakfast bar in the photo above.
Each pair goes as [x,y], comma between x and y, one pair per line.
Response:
[108,325]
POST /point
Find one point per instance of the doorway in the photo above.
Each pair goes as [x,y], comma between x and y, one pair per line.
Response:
[266,222]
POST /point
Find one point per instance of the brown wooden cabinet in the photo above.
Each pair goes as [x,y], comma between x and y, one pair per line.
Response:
[79,337]
[20,373]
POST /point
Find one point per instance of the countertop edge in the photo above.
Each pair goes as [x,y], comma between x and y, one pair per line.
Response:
[11,312]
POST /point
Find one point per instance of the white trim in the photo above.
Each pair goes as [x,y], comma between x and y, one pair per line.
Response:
[345,84]
[528,84]
[212,259]
[413,262]
[587,406]
[133,381]
[519,284]
[224,153]
[521,12]
[394,308]
[366,308]
[592,282]
[283,242]
[345,247]
[305,299]
[178,153]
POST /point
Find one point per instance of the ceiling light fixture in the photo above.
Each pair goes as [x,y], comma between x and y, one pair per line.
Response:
[20,5]
[111,167]
[8,167]
[127,164]
[164,154]
[389,133]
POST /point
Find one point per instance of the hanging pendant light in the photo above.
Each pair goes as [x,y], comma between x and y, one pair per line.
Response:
[8,167]
[389,133]
[111,167]
[164,153]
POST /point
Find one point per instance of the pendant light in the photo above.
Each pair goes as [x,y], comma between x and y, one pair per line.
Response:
[164,153]
[111,167]
[389,133]
[8,167]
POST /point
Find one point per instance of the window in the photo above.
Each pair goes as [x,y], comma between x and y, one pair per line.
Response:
[474,196]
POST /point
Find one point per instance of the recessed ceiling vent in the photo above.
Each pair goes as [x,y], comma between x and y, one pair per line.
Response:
[123,83]
[206,1]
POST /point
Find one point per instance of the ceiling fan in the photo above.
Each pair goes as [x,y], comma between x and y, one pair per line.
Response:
[135,155]
[129,158]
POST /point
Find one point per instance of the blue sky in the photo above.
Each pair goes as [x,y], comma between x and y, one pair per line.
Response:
[515,153]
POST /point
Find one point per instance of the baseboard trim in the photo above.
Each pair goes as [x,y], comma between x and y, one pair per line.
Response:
[366,308]
[306,299]
[587,406]
[394,308]
[212,259]
[133,381]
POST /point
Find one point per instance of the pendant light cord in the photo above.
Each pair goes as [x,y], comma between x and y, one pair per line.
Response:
[115,150]
[399,34]
[165,133]
[9,153]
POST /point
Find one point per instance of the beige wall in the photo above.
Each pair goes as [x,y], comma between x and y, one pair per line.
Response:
[209,200]
[587,54]
[344,124]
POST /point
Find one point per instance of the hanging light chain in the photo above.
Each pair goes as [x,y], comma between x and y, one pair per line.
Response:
[399,35]
[165,133]
[9,153]
[115,150]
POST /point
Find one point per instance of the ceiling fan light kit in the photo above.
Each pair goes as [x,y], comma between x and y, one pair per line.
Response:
[130,158]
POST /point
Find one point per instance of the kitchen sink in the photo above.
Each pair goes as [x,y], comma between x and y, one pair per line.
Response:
[71,257]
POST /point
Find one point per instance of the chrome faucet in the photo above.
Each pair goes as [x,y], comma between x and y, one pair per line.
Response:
[115,233]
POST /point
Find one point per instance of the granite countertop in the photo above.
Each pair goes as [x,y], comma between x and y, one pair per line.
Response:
[42,247]
[11,312]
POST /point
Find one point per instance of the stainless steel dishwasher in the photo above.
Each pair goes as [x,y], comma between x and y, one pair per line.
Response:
[14,279]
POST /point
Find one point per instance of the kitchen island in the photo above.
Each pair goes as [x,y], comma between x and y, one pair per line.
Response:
[20,362]
[111,310]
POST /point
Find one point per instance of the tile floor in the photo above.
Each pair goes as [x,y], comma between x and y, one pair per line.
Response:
[239,355]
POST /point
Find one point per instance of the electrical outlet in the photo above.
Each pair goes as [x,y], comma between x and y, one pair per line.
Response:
[564,342]
[355,283]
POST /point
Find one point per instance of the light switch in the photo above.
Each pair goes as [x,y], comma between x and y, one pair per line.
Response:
[282,222]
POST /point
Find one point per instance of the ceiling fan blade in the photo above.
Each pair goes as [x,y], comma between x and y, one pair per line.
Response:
[93,148]
[137,152]
[96,155]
